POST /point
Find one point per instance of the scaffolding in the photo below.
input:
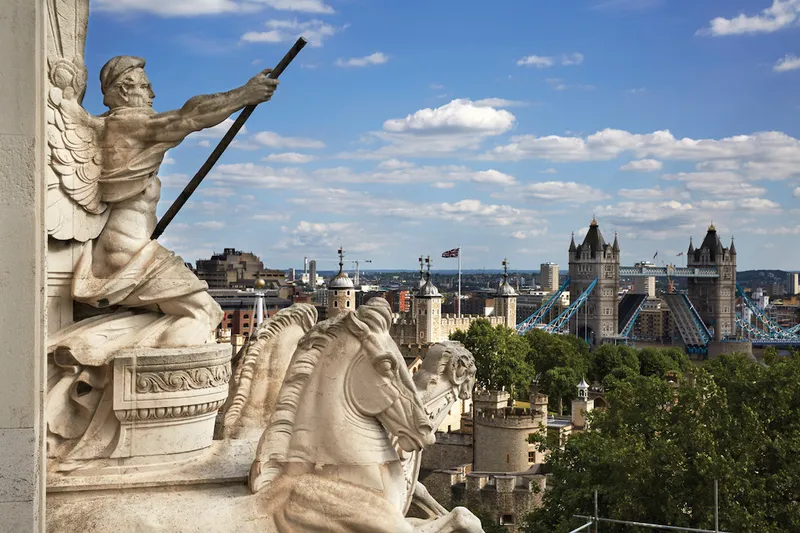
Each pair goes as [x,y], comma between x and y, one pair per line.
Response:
[596,519]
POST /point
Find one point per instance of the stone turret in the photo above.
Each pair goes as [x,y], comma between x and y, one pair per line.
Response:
[581,406]
[428,310]
[341,292]
[714,298]
[595,259]
[506,300]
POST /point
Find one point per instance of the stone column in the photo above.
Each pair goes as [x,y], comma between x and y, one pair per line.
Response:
[22,266]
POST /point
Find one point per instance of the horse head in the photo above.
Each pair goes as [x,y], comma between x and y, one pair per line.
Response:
[447,373]
[347,387]
[378,383]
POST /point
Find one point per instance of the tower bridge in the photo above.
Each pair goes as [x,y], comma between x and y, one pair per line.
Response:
[706,314]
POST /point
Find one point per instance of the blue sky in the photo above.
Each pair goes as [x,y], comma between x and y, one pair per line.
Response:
[410,128]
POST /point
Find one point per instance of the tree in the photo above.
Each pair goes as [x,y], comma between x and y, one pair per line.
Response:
[654,454]
[619,360]
[501,356]
[660,361]
[560,361]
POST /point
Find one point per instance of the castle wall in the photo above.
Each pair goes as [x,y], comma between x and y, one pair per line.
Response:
[501,441]
[449,451]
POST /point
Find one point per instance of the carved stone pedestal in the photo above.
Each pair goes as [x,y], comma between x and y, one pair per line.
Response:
[166,400]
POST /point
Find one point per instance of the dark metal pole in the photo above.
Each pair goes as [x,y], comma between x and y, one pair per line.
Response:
[596,514]
[716,506]
[222,146]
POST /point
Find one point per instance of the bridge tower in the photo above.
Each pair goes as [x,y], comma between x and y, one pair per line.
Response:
[714,298]
[595,259]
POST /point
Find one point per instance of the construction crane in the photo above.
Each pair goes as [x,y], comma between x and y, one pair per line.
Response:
[358,270]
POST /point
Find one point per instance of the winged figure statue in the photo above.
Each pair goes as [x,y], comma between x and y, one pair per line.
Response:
[102,191]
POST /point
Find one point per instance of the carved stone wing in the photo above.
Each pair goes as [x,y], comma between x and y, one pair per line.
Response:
[74,158]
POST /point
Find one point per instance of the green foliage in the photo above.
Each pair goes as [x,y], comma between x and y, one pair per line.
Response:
[489,520]
[500,356]
[654,454]
[560,361]
[658,362]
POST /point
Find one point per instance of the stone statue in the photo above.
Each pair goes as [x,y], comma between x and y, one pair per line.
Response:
[103,189]
[260,371]
[328,461]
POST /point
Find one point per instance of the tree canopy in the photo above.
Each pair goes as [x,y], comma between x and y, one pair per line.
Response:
[654,454]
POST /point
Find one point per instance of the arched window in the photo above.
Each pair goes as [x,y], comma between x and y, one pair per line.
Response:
[347,303]
[348,293]
[335,304]
[245,316]
[246,325]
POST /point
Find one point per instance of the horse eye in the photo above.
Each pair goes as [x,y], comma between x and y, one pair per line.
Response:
[385,365]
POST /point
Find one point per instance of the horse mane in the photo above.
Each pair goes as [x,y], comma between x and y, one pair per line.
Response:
[373,317]
[304,315]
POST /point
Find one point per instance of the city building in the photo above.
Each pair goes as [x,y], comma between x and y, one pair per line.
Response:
[239,308]
[548,277]
[793,283]
[645,285]
[655,322]
[236,269]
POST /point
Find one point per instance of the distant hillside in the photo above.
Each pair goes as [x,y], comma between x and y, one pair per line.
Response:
[761,278]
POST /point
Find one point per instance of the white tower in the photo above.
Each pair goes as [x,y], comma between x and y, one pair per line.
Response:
[428,310]
[581,406]
[506,300]
[341,292]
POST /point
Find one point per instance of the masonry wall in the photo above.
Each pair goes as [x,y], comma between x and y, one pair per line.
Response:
[22,265]
[449,451]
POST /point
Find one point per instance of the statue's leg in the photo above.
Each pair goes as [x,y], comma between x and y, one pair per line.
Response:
[199,316]
[459,520]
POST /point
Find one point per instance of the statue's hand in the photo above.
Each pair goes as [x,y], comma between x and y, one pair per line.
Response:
[260,87]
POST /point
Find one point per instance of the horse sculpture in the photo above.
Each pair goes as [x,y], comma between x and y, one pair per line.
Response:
[327,461]
[260,372]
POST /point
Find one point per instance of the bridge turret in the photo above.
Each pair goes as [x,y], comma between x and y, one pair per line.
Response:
[714,298]
[616,243]
[691,250]
[572,246]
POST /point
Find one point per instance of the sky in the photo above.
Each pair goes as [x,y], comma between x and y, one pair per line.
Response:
[410,128]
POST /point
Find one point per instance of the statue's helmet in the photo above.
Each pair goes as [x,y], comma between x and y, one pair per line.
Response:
[115,68]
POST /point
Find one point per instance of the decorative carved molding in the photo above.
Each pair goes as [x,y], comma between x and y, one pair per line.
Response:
[181,380]
[159,413]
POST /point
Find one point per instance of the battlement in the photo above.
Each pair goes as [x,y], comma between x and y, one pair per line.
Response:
[510,417]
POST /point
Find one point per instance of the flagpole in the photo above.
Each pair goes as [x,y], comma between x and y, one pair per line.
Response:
[459,282]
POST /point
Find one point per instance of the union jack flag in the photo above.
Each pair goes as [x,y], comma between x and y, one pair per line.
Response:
[451,253]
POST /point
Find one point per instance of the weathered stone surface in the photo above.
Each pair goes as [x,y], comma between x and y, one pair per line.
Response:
[18,482]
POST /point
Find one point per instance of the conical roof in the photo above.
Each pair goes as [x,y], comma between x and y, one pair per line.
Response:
[594,239]
[505,288]
[341,280]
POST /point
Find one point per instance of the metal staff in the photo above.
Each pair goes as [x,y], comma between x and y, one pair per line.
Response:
[222,146]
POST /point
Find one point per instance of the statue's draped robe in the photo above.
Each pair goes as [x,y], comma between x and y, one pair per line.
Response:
[80,393]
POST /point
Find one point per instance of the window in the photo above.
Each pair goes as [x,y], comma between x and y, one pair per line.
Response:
[507,520]
[335,303]
[531,457]
[336,293]
[230,325]
[246,325]
[348,293]
[508,458]
[347,303]
[245,316]
[230,316]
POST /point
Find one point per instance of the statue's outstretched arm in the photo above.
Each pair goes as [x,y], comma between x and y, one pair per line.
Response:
[205,111]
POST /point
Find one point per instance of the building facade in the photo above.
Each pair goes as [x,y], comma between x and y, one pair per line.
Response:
[236,269]
[548,277]
[341,291]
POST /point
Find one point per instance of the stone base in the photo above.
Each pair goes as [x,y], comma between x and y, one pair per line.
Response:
[208,495]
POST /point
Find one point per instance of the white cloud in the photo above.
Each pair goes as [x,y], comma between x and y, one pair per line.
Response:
[280,31]
[519,235]
[174,181]
[457,125]
[572,59]
[568,191]
[378,58]
[217,192]
[789,62]
[273,140]
[498,102]
[655,193]
[168,160]
[536,61]
[781,14]
[271,217]
[191,8]
[548,171]
[458,115]
[305,6]
[778,230]
[210,224]
[443,185]
[796,192]
[761,148]
[548,61]
[758,204]
[394,164]
[718,184]
[643,165]
[250,175]
[559,85]
[205,143]
[289,157]
[493,176]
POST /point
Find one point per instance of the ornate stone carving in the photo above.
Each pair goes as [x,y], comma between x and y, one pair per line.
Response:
[103,189]
[181,380]
[346,405]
